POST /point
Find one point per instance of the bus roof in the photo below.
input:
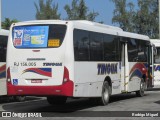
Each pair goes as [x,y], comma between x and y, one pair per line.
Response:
[156,42]
[73,21]
[113,29]
[41,22]
[133,35]
[97,24]
[88,25]
[4,32]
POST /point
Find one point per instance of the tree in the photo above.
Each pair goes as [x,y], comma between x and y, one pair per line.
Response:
[143,20]
[123,14]
[47,10]
[146,19]
[7,23]
[79,11]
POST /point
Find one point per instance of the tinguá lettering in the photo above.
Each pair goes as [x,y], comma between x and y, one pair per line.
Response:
[109,68]
[157,67]
[52,64]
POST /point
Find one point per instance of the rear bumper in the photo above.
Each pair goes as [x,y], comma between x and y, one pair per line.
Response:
[65,89]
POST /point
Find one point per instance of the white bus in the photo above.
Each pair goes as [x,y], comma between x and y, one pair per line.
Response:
[60,59]
[3,47]
[156,74]
[3,86]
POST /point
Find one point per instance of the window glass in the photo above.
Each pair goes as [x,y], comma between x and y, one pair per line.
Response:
[96,46]
[81,45]
[111,48]
[3,48]
[93,46]
[142,51]
[157,57]
[132,50]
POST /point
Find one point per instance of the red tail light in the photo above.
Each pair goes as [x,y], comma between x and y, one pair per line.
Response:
[8,75]
[66,75]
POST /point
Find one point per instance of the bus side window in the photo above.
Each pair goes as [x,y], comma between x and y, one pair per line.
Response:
[3,48]
[111,48]
[142,54]
[81,45]
[132,50]
[157,57]
[96,46]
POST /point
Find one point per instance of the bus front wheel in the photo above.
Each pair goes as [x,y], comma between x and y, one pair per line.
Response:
[53,100]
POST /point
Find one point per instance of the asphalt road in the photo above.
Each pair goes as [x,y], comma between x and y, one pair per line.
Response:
[77,107]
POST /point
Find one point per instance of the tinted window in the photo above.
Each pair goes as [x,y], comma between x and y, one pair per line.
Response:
[142,51]
[96,46]
[157,56]
[111,48]
[132,50]
[56,35]
[3,48]
[81,45]
[92,46]
[137,50]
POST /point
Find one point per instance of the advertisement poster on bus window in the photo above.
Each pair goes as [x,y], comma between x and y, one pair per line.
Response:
[30,36]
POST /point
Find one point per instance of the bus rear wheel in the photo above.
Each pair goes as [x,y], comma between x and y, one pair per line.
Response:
[140,93]
[53,100]
[104,99]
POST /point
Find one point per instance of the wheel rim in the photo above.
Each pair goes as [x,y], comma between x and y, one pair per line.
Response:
[105,94]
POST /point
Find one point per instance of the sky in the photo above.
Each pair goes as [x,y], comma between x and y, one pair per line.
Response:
[24,10]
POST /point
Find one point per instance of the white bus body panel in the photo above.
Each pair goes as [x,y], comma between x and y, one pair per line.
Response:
[134,82]
[19,71]
[89,83]
[156,67]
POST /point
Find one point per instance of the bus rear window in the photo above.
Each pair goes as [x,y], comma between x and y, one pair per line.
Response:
[38,36]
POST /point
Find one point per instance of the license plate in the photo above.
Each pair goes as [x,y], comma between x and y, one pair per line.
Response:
[36,81]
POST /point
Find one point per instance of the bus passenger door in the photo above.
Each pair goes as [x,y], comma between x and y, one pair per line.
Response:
[124,67]
[151,76]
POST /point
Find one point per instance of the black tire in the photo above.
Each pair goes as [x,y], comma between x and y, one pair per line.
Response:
[56,100]
[106,92]
[19,98]
[140,93]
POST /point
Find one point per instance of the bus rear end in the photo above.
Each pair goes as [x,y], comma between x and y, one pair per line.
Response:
[36,60]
